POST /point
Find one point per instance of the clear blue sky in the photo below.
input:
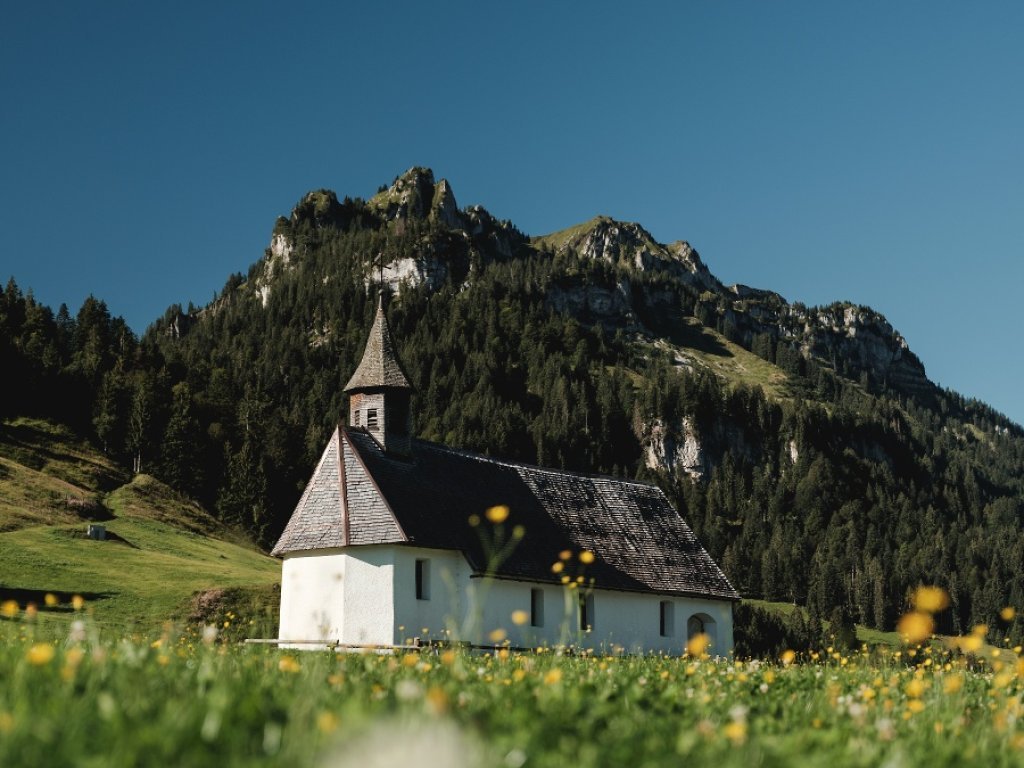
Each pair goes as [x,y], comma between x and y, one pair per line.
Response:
[864,151]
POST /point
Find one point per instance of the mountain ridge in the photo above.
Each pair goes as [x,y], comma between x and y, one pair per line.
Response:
[840,330]
[805,445]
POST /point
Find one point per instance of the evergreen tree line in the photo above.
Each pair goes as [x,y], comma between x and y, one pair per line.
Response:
[838,497]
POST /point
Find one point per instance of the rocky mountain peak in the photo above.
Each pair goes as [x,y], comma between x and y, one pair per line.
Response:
[444,208]
[410,196]
[645,281]
[628,245]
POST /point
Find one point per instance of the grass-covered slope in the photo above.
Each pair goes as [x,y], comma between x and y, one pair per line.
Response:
[161,548]
[48,476]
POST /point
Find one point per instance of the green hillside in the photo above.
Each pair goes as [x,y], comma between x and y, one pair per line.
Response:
[805,445]
[161,548]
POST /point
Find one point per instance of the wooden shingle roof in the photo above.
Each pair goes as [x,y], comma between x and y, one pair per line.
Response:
[379,366]
[360,494]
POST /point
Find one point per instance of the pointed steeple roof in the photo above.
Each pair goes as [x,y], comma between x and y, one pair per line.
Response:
[379,366]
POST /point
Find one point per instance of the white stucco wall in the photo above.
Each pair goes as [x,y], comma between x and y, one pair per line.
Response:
[312,583]
[367,595]
[338,595]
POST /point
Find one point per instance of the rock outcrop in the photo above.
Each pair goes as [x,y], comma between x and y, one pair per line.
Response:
[644,282]
[676,451]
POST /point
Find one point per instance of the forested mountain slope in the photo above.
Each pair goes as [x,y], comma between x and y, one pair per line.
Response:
[805,444]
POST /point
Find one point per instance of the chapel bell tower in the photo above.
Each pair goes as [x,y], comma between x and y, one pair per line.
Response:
[379,391]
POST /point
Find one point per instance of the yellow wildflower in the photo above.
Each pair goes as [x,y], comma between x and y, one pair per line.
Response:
[9,609]
[557,567]
[520,617]
[51,600]
[735,731]
[698,645]
[437,700]
[915,688]
[930,599]
[915,627]
[40,654]
[327,722]
[952,683]
[1008,613]
[586,557]
[1002,680]
[289,664]
[915,706]
[553,676]
[78,602]
[970,644]
[498,514]
[787,657]
[497,635]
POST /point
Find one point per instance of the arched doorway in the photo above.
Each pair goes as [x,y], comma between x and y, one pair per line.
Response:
[701,623]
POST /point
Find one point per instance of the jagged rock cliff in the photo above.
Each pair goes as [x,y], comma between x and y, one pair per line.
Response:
[642,287]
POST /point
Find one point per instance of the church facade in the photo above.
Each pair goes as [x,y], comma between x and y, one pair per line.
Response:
[396,539]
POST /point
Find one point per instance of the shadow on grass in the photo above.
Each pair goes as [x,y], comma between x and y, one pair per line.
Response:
[37,597]
[688,333]
[111,537]
[28,442]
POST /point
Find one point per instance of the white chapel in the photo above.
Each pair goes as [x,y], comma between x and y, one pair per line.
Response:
[391,542]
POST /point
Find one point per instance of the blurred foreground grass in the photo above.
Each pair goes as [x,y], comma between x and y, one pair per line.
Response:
[87,698]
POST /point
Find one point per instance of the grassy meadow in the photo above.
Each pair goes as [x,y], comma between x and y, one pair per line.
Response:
[126,652]
[162,550]
[89,697]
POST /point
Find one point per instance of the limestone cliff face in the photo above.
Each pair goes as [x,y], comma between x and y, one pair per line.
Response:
[844,334]
[425,269]
[676,451]
[630,246]
[278,259]
[607,304]
[443,207]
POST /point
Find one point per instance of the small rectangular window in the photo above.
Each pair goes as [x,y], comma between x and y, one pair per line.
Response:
[355,417]
[667,618]
[586,613]
[422,579]
[371,419]
[536,607]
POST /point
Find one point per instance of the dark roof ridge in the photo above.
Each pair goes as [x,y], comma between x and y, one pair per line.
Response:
[536,467]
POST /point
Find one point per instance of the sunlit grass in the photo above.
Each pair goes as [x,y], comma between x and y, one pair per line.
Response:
[187,697]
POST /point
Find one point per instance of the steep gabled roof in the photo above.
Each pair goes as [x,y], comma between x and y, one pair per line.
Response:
[379,366]
[339,507]
[640,541]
